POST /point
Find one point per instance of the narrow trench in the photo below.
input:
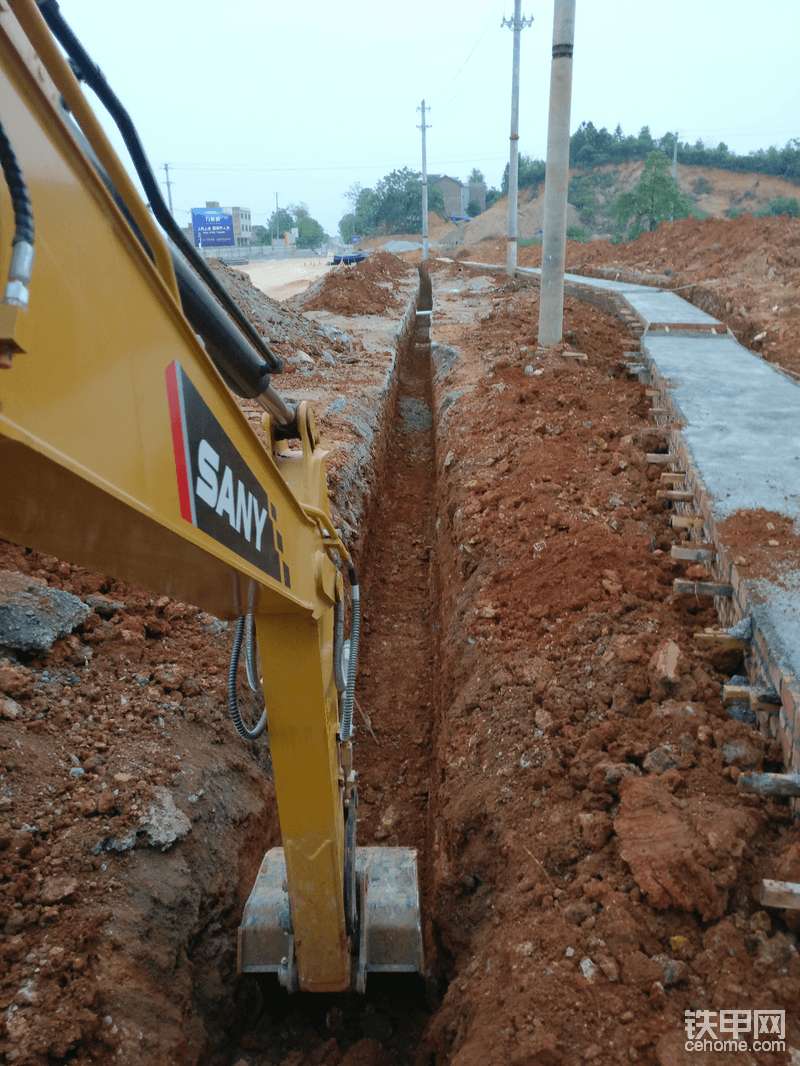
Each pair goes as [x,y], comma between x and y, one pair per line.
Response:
[394,719]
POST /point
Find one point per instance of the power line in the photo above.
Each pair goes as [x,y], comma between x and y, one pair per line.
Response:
[491,19]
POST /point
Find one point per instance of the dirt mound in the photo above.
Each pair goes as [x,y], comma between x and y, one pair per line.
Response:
[114,731]
[382,267]
[282,326]
[364,288]
[744,271]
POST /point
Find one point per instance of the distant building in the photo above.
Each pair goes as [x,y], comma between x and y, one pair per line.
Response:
[242,222]
[476,190]
[457,195]
[242,225]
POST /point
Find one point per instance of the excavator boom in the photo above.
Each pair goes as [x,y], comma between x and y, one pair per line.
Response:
[123,450]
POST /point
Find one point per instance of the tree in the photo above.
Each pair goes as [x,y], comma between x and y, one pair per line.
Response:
[476,177]
[279,222]
[782,205]
[655,199]
[295,216]
[310,233]
[530,172]
[347,227]
[393,206]
[473,208]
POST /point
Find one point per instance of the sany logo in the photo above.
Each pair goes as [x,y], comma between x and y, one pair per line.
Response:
[217,491]
[244,512]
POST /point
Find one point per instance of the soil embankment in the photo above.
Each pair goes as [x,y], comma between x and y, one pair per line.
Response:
[744,271]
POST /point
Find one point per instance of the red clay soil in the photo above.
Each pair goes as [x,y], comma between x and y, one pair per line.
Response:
[761,543]
[596,871]
[744,271]
[364,288]
[534,717]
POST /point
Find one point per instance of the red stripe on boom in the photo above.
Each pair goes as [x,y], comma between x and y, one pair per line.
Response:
[178,441]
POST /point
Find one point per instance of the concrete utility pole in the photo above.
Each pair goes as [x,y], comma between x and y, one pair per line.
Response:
[675,155]
[169,188]
[425,183]
[517,24]
[554,240]
[423,127]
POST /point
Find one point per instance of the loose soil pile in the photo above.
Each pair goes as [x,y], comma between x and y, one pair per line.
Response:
[533,716]
[284,329]
[744,271]
[364,288]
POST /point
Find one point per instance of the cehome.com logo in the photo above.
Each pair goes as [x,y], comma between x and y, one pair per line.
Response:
[735,1030]
[218,492]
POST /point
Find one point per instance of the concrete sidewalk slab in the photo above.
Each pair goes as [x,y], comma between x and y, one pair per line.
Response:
[664,307]
[742,421]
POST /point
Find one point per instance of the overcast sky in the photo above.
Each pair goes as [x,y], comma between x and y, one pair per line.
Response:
[251,98]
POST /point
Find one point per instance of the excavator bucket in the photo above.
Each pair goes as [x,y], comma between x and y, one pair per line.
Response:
[388,933]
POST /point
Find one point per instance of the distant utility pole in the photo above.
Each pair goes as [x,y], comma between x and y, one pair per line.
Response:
[675,154]
[423,127]
[517,24]
[169,187]
[554,240]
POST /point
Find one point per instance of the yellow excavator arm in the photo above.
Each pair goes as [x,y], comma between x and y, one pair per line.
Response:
[123,450]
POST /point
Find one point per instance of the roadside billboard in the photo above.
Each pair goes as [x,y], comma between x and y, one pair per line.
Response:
[212,228]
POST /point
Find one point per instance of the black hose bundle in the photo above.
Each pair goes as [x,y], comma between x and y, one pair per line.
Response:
[346,727]
[20,268]
[20,200]
[233,702]
[94,78]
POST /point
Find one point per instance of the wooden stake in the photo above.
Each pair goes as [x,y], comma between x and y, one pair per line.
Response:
[676,495]
[702,588]
[705,552]
[682,521]
[758,698]
[719,641]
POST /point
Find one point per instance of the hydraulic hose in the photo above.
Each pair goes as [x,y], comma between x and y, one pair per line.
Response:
[19,272]
[338,646]
[250,648]
[346,729]
[233,702]
[94,78]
